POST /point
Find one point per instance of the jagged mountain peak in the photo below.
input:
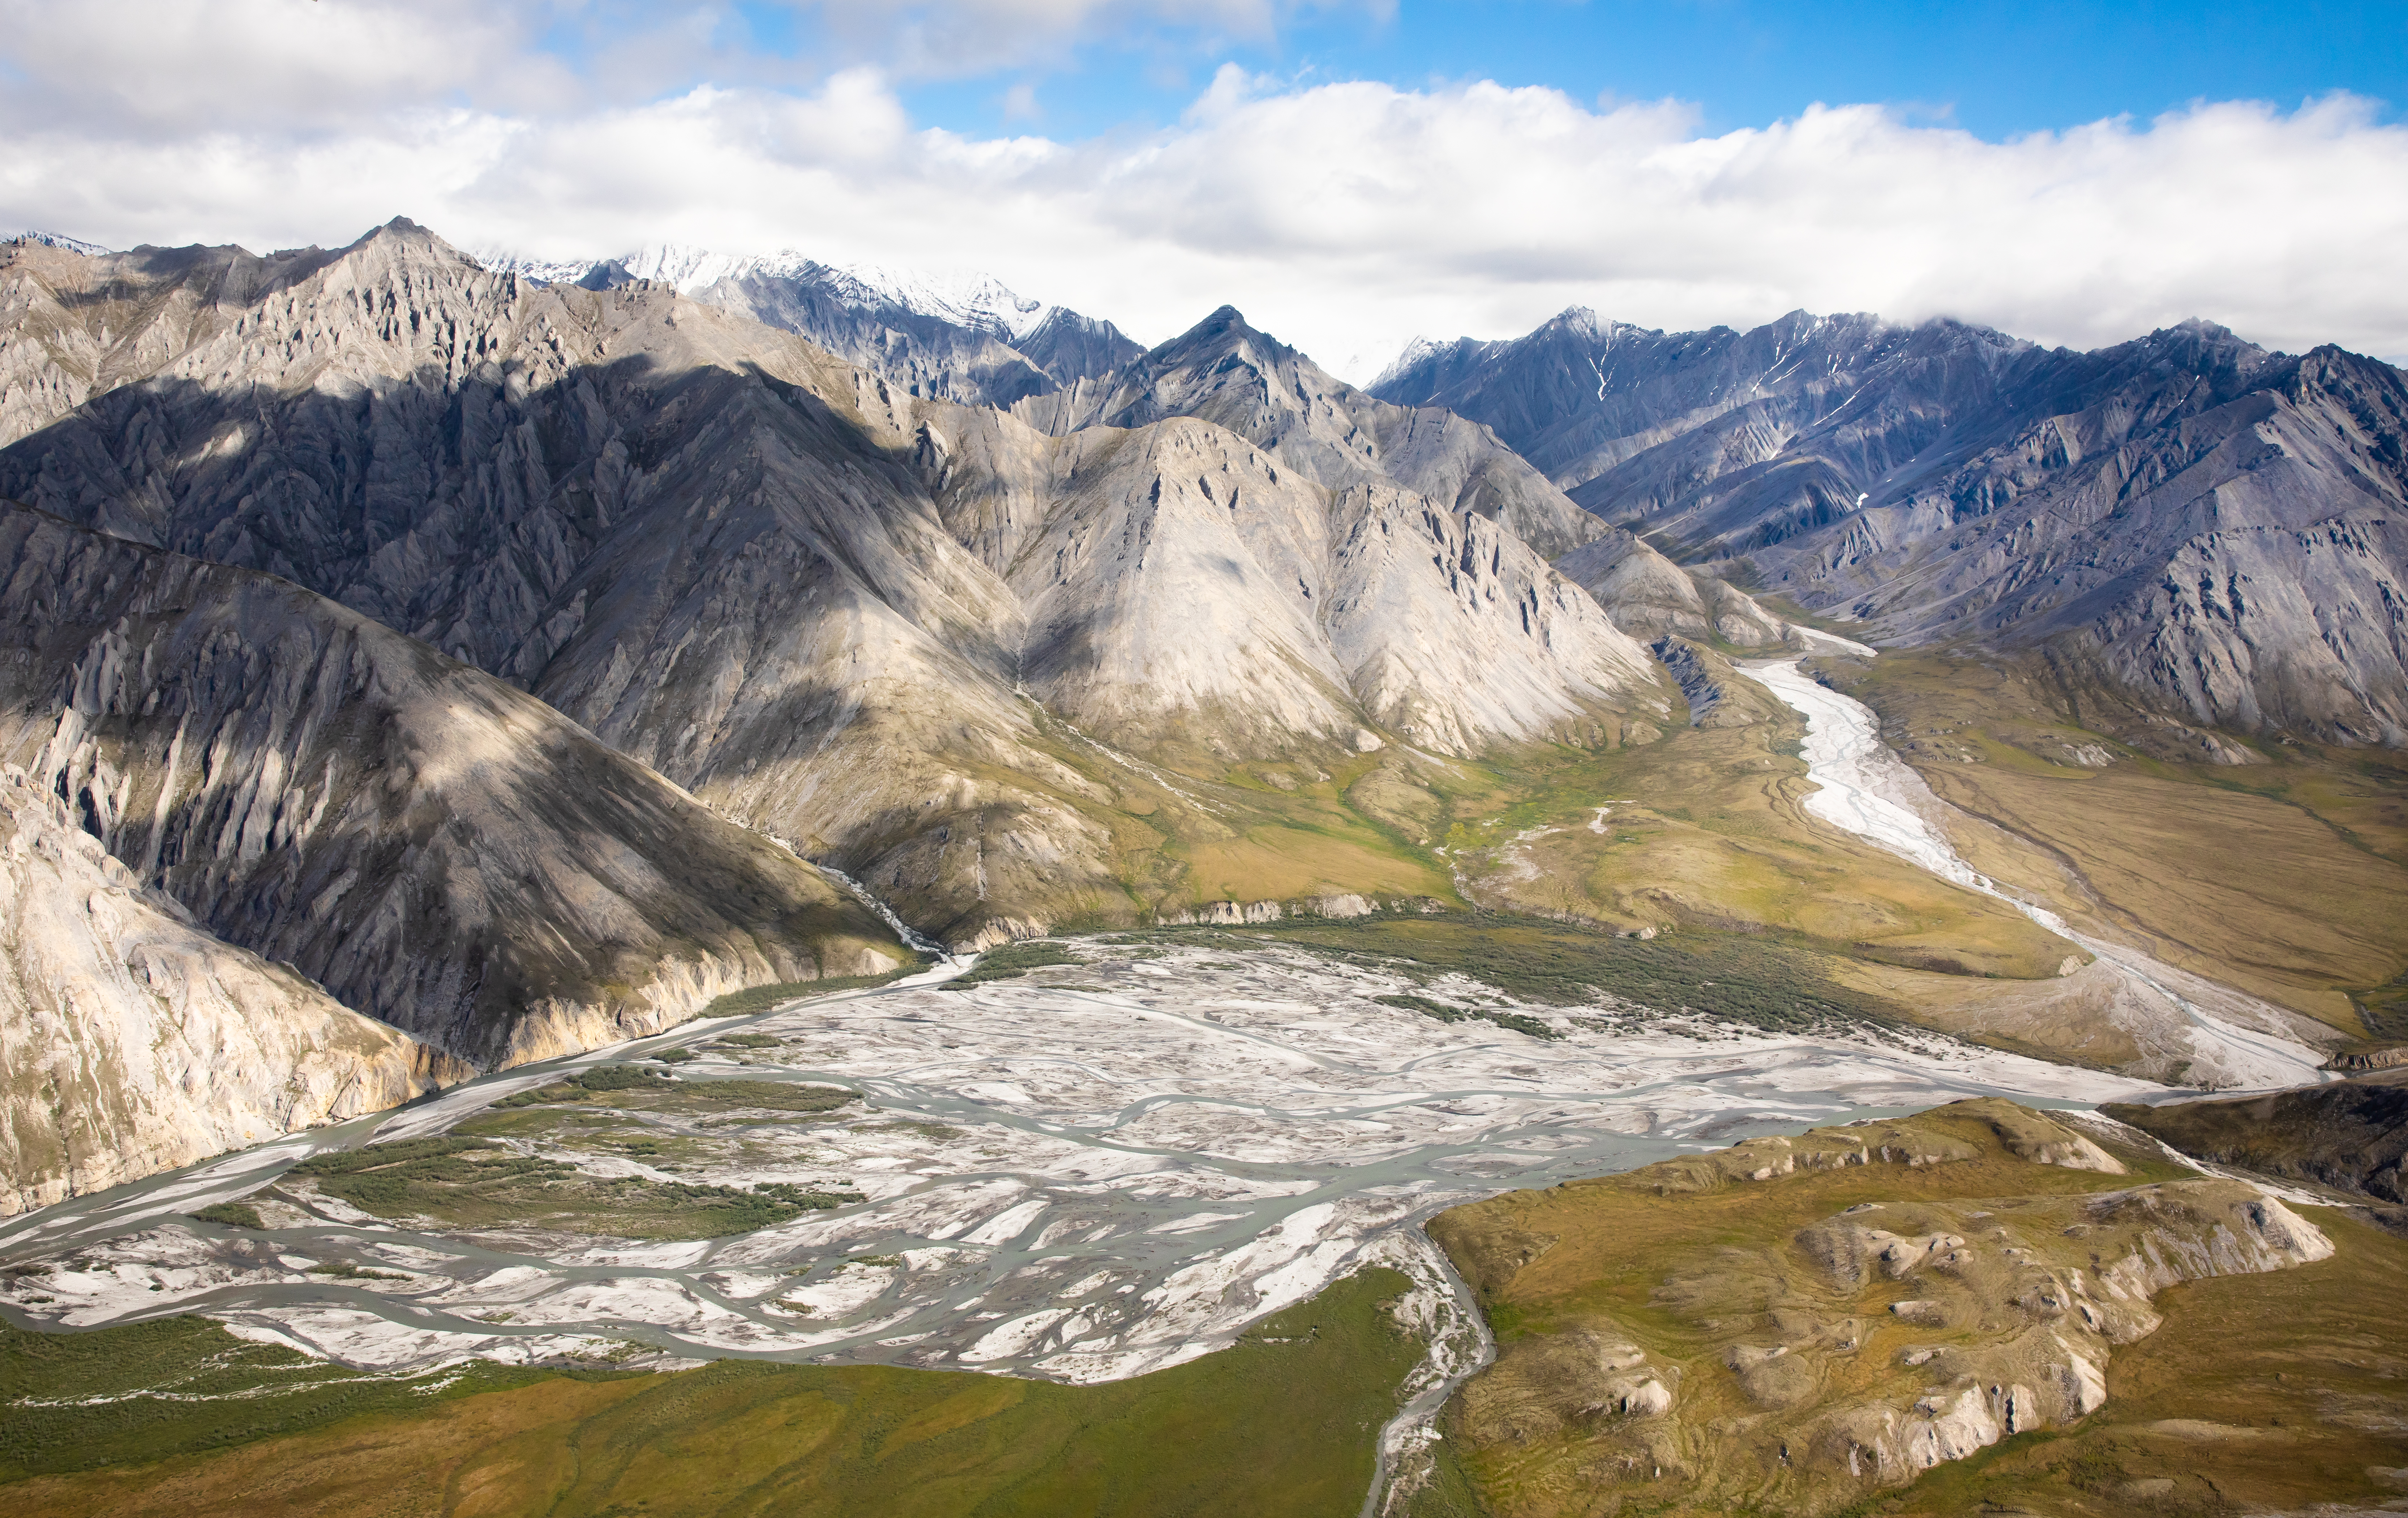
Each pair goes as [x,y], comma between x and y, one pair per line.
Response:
[1224,332]
[967,297]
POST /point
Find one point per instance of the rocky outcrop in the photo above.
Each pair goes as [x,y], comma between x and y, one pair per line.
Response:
[436,847]
[1649,596]
[2218,527]
[1804,1369]
[1718,694]
[134,1042]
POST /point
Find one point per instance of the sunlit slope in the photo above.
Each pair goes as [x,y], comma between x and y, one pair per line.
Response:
[1703,829]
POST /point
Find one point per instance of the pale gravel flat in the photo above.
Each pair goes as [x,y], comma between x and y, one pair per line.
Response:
[1123,1178]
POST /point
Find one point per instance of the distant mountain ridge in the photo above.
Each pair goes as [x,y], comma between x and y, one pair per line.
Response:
[2219,527]
[946,333]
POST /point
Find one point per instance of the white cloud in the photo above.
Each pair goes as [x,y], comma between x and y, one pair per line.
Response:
[1343,217]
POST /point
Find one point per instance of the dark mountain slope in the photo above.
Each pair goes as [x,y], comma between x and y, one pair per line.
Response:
[433,846]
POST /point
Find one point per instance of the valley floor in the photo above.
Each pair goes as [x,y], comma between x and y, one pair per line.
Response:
[1081,1174]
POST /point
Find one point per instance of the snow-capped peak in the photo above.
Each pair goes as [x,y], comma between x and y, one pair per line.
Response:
[693,270]
[72,245]
[963,297]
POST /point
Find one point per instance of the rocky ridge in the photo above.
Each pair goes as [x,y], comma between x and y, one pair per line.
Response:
[915,638]
[965,338]
[1225,372]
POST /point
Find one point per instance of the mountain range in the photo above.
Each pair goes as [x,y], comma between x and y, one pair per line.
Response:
[492,648]
[2213,526]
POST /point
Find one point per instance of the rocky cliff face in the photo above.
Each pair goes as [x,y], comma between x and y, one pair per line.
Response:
[1649,596]
[134,1042]
[433,846]
[2216,526]
[2350,1134]
[887,627]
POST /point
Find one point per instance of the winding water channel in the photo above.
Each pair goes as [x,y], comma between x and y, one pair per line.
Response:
[1866,789]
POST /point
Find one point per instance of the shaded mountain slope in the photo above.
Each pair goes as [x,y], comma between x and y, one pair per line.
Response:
[132,1042]
[433,846]
[2218,525]
[2351,1134]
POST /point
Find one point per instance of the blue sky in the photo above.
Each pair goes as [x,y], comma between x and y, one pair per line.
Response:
[1995,69]
[1350,173]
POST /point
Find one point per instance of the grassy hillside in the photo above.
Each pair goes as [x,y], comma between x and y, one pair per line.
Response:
[1790,1322]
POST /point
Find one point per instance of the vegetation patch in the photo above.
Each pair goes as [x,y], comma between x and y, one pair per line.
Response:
[178,1387]
[632,1087]
[352,1270]
[1282,1423]
[231,1215]
[1444,1014]
[1012,959]
[474,1182]
[2286,879]
[1758,979]
[749,1040]
[761,998]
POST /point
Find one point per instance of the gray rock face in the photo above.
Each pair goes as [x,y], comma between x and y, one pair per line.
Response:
[1145,559]
[132,1042]
[2213,525]
[1225,372]
[435,848]
[887,627]
[1718,694]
